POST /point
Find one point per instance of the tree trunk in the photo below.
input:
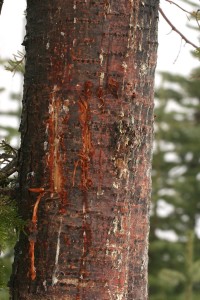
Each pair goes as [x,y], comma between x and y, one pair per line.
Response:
[85,158]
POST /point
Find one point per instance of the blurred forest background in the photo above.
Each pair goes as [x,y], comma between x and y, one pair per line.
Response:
[174,255]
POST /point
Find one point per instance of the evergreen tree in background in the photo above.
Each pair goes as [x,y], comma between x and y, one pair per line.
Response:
[175,265]
[15,65]
[10,222]
[174,243]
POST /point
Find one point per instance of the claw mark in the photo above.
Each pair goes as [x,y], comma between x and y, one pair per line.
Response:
[33,232]
[55,131]
[56,154]
[87,150]
[54,278]
[85,157]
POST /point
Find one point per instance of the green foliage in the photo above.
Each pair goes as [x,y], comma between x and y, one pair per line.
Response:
[5,270]
[195,76]
[7,148]
[171,278]
[196,15]
[174,266]
[195,271]
[17,63]
[10,222]
[8,164]
[15,66]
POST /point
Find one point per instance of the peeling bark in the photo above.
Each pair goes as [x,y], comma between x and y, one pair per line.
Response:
[87,127]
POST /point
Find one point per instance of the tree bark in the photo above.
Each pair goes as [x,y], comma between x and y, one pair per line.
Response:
[85,158]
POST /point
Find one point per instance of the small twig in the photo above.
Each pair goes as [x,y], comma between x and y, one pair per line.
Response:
[7,148]
[6,156]
[10,168]
[191,14]
[16,64]
[179,51]
[176,30]
[172,2]
[8,161]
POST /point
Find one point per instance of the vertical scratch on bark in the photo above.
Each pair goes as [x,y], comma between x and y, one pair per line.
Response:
[54,277]
[55,149]
[54,136]
[87,150]
[32,271]
[100,175]
[84,161]
[130,44]
[33,232]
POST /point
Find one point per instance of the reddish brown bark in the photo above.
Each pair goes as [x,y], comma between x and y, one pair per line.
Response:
[86,149]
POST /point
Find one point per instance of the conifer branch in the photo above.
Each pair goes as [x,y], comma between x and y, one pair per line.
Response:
[8,164]
[16,64]
[10,220]
[177,31]
[10,167]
